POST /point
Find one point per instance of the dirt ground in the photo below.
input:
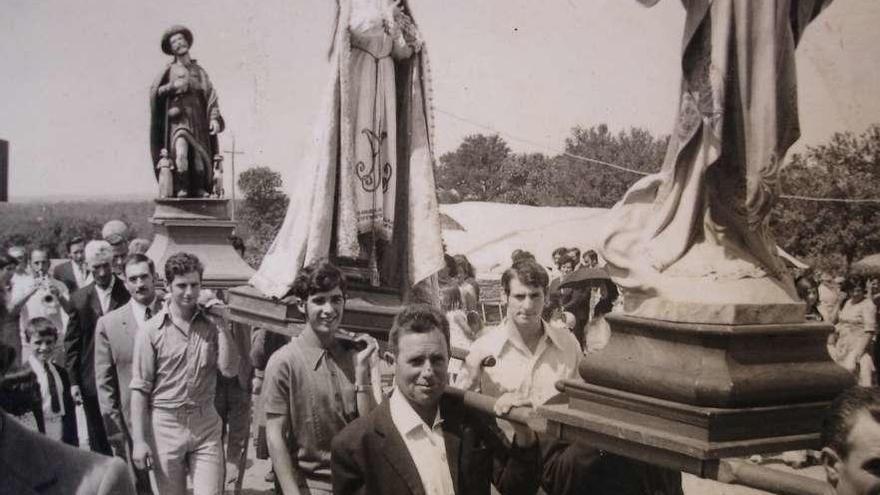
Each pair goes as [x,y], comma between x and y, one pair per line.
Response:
[255,485]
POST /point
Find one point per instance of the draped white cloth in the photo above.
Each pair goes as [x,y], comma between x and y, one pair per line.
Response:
[330,188]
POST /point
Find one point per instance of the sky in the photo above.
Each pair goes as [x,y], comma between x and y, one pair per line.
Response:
[75,86]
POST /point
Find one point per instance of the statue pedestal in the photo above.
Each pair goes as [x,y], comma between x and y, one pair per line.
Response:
[686,395]
[201,227]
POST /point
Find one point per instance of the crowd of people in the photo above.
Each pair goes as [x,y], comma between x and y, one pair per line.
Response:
[165,384]
[850,304]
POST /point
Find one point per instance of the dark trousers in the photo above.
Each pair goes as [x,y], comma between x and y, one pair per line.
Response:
[573,468]
[98,441]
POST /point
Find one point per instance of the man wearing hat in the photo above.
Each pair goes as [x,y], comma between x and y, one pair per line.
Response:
[185,116]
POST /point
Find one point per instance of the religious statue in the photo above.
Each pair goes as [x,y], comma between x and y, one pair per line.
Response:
[698,229]
[368,196]
[218,177]
[165,171]
[185,116]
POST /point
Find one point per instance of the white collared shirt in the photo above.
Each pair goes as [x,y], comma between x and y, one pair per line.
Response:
[140,312]
[45,392]
[518,370]
[532,375]
[425,445]
[104,295]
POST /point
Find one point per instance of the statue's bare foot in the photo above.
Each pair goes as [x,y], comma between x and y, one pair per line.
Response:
[182,193]
[201,193]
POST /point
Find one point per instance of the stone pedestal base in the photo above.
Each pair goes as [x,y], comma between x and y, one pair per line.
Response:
[201,227]
[717,365]
[685,395]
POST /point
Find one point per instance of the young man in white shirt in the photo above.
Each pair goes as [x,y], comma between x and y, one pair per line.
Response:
[531,356]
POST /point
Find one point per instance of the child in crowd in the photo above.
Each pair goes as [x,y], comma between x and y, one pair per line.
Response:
[56,417]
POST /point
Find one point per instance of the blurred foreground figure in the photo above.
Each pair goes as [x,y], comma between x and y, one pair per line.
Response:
[30,463]
[851,441]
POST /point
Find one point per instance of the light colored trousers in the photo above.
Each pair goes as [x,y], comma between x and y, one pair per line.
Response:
[187,441]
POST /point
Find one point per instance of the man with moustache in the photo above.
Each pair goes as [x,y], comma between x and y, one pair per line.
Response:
[314,385]
[420,442]
[114,346]
[176,430]
[88,304]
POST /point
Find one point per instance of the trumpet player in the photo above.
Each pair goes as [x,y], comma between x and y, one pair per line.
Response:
[37,294]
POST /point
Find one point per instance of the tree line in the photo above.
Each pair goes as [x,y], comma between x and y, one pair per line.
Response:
[828,235]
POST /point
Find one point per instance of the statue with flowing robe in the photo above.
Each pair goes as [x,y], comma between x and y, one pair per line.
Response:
[366,195]
[185,117]
[698,229]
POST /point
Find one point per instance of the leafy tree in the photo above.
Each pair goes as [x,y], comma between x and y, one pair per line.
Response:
[263,210]
[474,168]
[848,166]
[591,184]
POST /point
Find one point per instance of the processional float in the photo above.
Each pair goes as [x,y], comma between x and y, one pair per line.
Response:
[711,357]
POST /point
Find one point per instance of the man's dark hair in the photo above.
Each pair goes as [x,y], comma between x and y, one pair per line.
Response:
[528,272]
[182,264]
[575,250]
[78,239]
[521,255]
[844,412]
[134,259]
[560,251]
[40,327]
[417,318]
[318,276]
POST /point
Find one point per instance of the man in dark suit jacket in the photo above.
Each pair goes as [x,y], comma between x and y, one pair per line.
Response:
[103,295]
[114,346]
[66,272]
[417,444]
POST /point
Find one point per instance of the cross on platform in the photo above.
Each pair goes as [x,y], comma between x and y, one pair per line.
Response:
[232,153]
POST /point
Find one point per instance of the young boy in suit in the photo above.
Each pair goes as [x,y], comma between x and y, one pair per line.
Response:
[56,416]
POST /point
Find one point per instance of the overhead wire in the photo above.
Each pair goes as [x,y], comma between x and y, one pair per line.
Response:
[621,168]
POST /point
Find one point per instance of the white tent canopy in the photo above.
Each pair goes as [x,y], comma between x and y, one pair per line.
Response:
[492,231]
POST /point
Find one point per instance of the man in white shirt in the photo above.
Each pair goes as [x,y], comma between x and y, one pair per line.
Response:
[531,356]
[114,346]
[36,294]
[416,443]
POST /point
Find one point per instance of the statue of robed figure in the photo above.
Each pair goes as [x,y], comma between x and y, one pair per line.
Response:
[698,230]
[185,117]
[365,194]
